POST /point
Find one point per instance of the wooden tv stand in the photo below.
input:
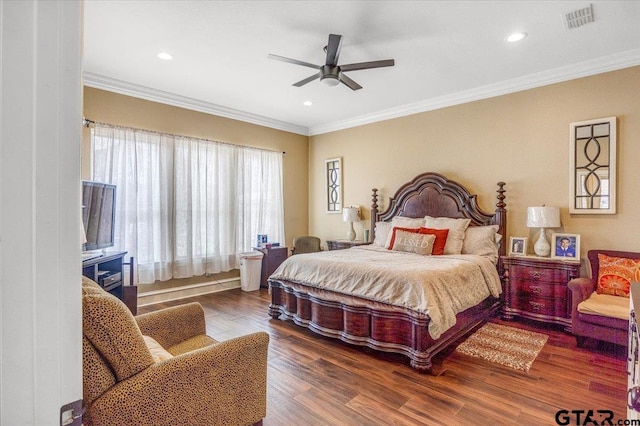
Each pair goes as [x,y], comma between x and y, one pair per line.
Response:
[108,271]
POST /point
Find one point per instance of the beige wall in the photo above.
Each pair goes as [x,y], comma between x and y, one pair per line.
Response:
[108,107]
[521,139]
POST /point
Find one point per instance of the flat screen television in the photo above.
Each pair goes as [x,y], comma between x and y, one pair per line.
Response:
[98,214]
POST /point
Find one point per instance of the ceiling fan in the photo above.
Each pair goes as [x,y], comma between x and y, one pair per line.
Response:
[331,73]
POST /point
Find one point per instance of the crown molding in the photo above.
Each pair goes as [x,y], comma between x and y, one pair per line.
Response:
[614,62]
[118,86]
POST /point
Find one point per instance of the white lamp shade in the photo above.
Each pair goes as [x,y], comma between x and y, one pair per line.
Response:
[543,217]
[350,214]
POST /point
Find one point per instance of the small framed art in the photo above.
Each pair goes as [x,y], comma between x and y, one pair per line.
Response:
[333,170]
[517,246]
[565,246]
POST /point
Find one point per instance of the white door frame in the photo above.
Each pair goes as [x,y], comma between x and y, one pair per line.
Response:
[40,266]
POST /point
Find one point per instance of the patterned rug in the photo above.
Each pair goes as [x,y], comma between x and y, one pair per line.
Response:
[504,345]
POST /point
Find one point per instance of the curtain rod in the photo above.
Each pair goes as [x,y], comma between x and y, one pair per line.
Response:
[88,123]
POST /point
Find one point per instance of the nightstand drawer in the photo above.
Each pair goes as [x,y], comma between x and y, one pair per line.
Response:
[530,273]
[540,289]
[543,306]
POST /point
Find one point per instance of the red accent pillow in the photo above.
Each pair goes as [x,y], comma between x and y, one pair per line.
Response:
[393,234]
[441,239]
[615,275]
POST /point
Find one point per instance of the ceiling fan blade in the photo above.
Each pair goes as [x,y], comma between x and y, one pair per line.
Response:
[307,80]
[366,65]
[293,61]
[349,83]
[333,49]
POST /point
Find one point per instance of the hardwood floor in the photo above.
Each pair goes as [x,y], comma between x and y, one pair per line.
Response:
[313,380]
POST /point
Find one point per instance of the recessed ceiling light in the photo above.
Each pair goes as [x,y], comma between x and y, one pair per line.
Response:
[307,103]
[516,37]
[166,56]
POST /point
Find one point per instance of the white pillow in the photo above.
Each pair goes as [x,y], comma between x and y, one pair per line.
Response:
[414,243]
[408,222]
[456,229]
[383,229]
[403,222]
[481,241]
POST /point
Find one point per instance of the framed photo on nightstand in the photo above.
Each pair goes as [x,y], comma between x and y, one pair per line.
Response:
[565,246]
[517,246]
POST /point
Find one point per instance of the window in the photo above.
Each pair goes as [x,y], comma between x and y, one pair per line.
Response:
[187,206]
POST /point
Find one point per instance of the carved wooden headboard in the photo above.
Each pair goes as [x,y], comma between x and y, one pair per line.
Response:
[431,194]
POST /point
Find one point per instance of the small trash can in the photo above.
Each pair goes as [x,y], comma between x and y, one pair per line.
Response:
[250,269]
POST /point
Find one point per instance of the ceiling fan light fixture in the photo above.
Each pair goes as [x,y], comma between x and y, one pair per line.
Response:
[330,80]
[330,75]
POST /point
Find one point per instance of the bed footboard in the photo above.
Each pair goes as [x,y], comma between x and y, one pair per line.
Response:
[386,329]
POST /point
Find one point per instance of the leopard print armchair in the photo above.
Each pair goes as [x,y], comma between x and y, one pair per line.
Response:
[161,368]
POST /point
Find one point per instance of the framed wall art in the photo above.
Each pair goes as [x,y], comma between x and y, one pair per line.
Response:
[592,166]
[333,182]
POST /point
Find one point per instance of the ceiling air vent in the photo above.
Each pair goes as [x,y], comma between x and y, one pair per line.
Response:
[579,17]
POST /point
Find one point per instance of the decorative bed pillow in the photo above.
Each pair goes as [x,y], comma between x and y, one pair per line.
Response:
[481,241]
[456,229]
[382,233]
[393,234]
[408,222]
[441,239]
[413,242]
[615,275]
[403,222]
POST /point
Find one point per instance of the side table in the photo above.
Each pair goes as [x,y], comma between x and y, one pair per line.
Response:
[273,257]
[536,288]
[344,244]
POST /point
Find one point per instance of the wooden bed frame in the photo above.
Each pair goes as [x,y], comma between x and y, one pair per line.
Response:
[394,329]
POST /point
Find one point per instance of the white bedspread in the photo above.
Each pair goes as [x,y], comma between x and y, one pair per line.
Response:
[440,286]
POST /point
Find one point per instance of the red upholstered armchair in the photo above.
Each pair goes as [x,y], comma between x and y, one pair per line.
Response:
[600,316]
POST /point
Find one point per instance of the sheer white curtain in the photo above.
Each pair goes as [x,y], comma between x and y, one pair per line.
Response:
[205,217]
[259,196]
[187,206]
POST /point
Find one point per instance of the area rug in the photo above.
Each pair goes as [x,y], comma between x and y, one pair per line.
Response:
[504,345]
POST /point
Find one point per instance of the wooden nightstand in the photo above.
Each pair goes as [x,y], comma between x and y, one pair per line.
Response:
[536,288]
[273,257]
[344,244]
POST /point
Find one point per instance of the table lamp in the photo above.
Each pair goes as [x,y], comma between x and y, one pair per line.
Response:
[350,215]
[543,217]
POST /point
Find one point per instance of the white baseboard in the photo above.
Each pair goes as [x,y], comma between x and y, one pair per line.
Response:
[183,292]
